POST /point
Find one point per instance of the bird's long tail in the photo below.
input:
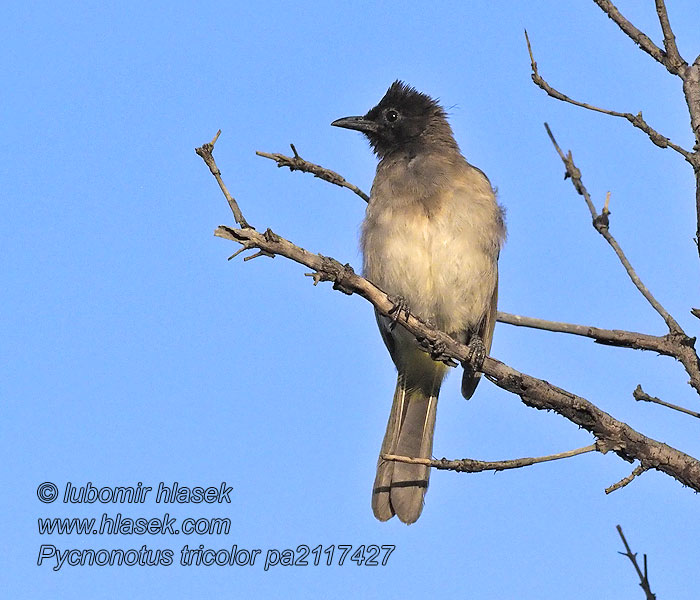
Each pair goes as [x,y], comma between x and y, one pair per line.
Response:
[399,487]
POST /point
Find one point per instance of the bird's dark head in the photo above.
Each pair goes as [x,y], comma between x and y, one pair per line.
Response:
[404,119]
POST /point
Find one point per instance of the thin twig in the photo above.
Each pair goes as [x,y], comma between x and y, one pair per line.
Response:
[610,337]
[679,347]
[643,577]
[637,120]
[296,163]
[470,465]
[623,482]
[641,396]
[206,151]
[601,224]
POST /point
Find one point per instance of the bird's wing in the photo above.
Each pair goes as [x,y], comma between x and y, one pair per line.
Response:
[486,331]
[470,379]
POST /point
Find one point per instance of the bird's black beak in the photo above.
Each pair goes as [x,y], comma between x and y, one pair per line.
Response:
[358,123]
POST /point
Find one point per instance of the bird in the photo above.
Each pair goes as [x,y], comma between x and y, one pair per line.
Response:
[431,240]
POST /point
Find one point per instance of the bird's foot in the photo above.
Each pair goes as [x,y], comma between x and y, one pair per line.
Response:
[399,305]
[477,353]
[437,350]
[438,353]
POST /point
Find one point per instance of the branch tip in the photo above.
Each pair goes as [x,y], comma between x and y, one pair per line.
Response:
[643,577]
[641,396]
[297,163]
[257,254]
[623,482]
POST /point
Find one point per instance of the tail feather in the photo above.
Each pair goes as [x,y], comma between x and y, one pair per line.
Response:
[399,488]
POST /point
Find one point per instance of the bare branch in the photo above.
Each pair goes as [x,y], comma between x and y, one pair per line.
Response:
[672,54]
[637,120]
[666,345]
[641,396]
[257,254]
[679,347]
[296,163]
[675,64]
[611,434]
[206,151]
[623,482]
[610,337]
[470,465]
[637,36]
[643,577]
[601,224]
[691,90]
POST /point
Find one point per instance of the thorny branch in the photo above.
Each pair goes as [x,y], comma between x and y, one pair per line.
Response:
[611,434]
[643,577]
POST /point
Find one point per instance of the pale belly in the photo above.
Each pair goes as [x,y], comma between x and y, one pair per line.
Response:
[440,266]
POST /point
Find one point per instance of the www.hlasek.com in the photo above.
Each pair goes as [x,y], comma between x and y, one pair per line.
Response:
[118,524]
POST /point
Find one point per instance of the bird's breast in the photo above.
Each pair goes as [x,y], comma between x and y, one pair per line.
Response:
[440,260]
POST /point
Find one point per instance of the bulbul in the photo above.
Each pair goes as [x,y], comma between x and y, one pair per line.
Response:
[431,239]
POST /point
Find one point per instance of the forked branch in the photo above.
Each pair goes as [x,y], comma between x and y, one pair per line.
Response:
[601,223]
[643,576]
[637,120]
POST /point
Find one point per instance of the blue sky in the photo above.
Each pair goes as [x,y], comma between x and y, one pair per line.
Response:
[133,351]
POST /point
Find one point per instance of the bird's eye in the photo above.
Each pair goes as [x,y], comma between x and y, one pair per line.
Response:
[391,115]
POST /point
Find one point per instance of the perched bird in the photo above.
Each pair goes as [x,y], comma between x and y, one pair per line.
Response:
[430,239]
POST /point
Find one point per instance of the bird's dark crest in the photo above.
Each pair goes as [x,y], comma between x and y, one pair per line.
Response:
[405,121]
[402,96]
[421,122]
